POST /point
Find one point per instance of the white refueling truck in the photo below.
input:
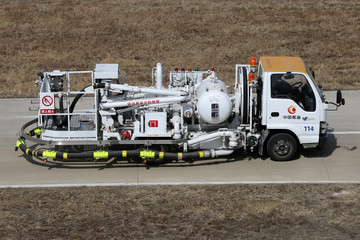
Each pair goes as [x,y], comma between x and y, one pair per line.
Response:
[274,107]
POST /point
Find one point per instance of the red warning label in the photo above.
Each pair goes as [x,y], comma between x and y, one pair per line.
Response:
[47,105]
[47,100]
[47,111]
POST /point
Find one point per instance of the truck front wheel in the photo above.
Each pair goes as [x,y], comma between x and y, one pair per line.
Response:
[282,147]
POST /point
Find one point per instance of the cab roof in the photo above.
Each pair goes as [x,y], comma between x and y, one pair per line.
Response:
[283,64]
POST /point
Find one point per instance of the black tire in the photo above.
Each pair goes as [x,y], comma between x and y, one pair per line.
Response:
[282,147]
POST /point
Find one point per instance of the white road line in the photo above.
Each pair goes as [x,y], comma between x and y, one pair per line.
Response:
[172,184]
[33,116]
[345,133]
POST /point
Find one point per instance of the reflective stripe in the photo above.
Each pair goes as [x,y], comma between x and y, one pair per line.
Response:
[27,151]
[201,154]
[18,143]
[65,156]
[180,156]
[38,131]
[102,154]
[124,154]
[147,154]
[49,154]
[161,154]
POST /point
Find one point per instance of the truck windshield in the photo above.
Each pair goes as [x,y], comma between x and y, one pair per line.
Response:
[295,87]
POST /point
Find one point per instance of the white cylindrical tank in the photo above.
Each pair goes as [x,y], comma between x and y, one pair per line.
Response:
[159,76]
[211,84]
[214,104]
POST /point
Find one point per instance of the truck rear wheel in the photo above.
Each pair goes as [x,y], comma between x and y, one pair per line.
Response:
[282,147]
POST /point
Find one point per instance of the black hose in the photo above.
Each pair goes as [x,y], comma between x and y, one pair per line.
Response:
[99,85]
[245,117]
[101,154]
[62,118]
[64,122]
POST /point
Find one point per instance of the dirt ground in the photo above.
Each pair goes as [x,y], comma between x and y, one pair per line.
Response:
[280,211]
[43,35]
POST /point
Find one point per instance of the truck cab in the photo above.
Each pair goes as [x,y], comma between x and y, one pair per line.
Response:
[292,108]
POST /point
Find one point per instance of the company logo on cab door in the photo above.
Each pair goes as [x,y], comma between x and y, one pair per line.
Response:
[292,109]
[308,119]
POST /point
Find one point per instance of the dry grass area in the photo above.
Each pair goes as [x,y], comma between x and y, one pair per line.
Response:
[41,35]
[292,211]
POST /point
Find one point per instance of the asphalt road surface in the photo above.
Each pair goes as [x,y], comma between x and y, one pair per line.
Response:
[338,162]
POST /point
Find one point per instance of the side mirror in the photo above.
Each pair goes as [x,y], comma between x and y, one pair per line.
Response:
[339,98]
[312,72]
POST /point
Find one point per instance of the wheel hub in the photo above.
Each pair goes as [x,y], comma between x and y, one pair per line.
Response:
[282,148]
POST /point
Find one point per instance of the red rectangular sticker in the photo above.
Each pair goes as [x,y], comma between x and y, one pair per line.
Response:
[47,111]
[153,123]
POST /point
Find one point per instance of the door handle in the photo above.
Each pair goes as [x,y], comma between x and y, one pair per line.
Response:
[275,114]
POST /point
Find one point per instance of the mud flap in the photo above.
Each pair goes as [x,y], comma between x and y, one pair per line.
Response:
[262,140]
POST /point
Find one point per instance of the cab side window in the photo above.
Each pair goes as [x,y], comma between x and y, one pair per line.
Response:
[295,87]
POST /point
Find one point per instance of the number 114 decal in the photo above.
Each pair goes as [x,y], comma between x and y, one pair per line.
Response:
[309,128]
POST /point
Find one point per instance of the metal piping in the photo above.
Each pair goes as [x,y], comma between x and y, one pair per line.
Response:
[207,137]
[146,142]
[143,101]
[134,89]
